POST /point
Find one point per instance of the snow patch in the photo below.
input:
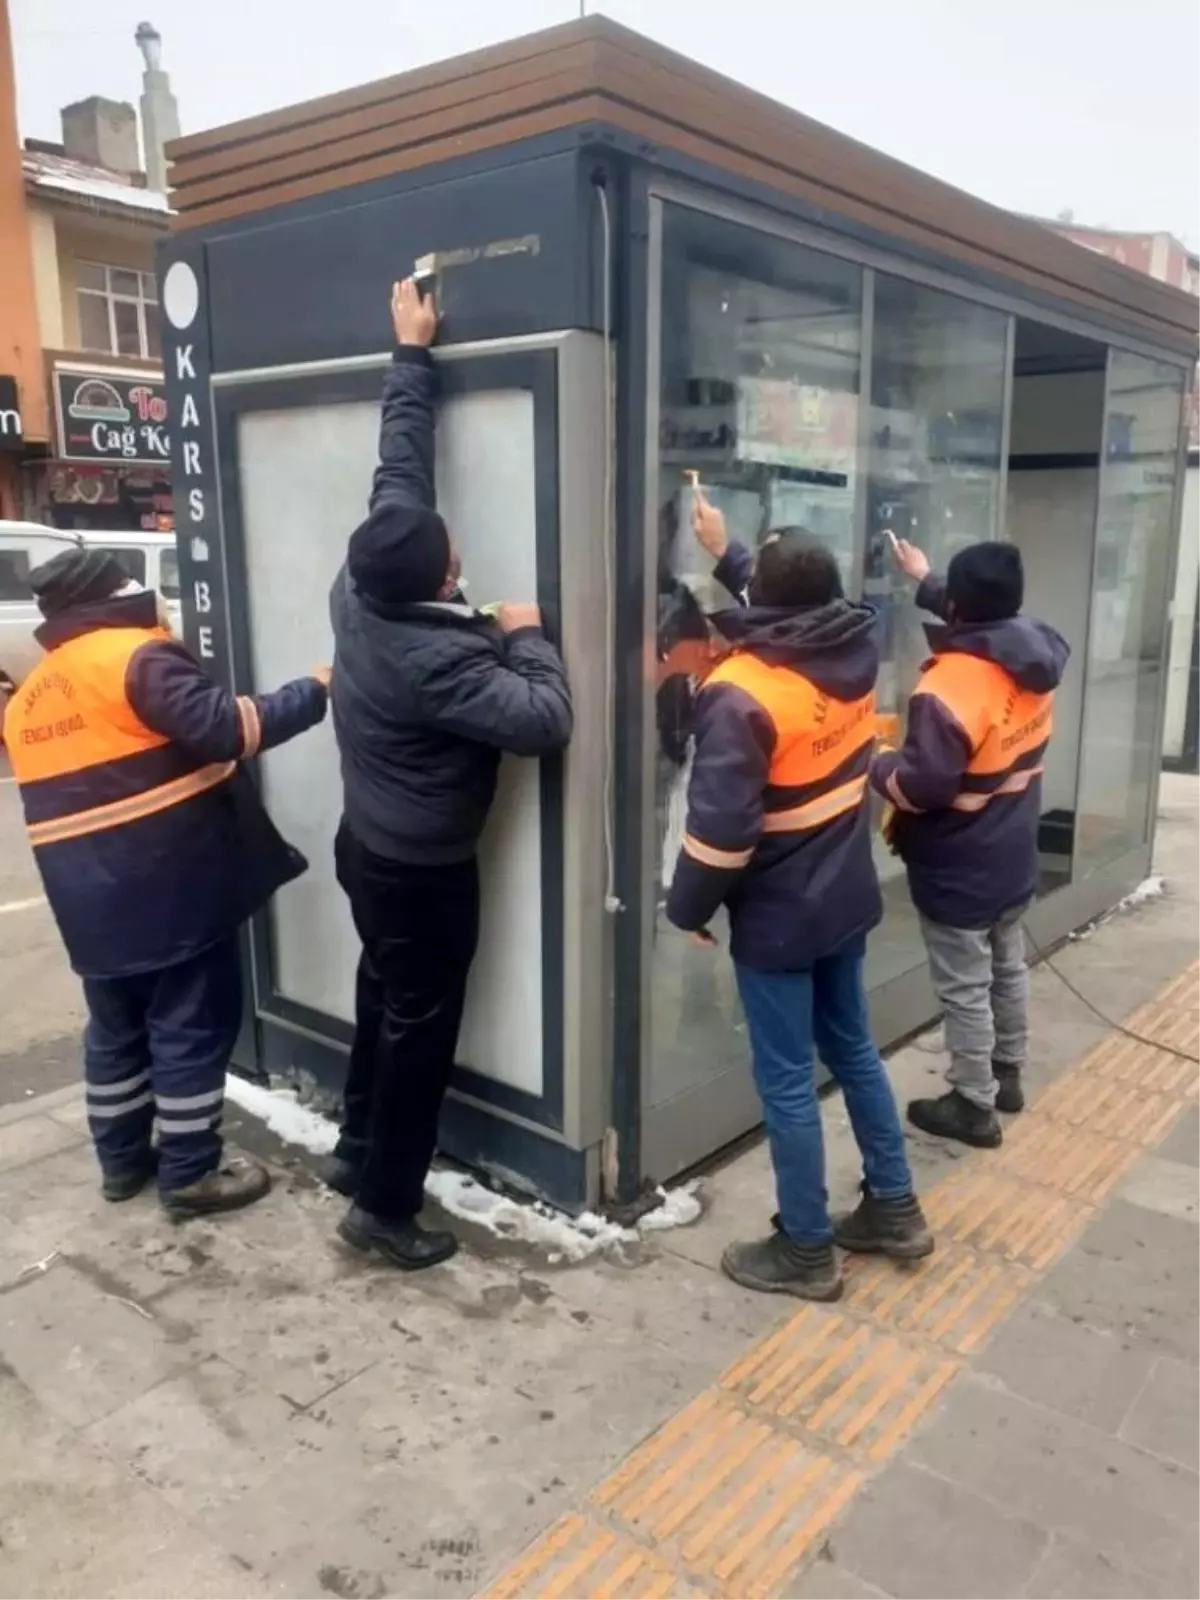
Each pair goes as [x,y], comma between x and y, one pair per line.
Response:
[283,1114]
[119,194]
[1152,888]
[564,1238]
[679,1209]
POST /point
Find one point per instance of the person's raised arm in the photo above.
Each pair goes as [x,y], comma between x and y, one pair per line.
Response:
[405,474]
[734,563]
[914,564]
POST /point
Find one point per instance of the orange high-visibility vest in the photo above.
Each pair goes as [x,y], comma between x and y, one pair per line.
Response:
[822,751]
[1007,727]
[83,759]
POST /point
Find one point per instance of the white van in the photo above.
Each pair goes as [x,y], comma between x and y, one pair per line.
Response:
[148,557]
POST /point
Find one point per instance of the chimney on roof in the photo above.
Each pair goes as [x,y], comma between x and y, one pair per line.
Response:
[160,113]
[103,133]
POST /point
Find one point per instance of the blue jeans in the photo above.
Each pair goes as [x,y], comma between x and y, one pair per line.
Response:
[788,1013]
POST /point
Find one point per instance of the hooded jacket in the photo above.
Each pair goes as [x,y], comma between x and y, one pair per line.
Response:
[426,694]
[967,782]
[778,828]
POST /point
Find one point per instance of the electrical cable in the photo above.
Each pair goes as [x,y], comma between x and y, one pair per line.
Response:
[1117,1027]
[612,902]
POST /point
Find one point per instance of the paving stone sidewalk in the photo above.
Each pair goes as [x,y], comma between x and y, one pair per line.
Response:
[240,1409]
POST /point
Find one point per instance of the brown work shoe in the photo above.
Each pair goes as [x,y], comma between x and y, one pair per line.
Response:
[237,1182]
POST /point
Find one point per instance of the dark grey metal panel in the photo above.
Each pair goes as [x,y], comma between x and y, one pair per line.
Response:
[314,286]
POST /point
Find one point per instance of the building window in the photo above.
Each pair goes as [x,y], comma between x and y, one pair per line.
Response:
[118,310]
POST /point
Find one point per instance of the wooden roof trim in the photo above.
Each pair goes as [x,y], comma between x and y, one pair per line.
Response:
[489,110]
[382,91]
[489,136]
[595,71]
[860,182]
[373,129]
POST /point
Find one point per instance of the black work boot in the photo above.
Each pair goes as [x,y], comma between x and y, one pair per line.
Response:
[125,1183]
[406,1245]
[1010,1096]
[340,1175]
[237,1182]
[895,1228]
[778,1265]
[952,1116]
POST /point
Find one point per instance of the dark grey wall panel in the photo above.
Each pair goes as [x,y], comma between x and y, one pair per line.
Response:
[315,286]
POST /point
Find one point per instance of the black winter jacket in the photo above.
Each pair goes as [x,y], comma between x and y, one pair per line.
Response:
[426,696]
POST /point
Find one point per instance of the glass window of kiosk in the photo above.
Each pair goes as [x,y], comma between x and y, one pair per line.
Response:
[938,387]
[759,396]
[1129,614]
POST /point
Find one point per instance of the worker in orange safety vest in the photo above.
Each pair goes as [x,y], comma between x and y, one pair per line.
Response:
[154,849]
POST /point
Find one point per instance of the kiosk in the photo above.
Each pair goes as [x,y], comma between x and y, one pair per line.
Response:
[646,271]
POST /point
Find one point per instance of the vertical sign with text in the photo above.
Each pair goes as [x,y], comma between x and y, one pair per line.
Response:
[187,370]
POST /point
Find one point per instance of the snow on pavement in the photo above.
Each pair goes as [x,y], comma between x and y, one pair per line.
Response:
[563,1237]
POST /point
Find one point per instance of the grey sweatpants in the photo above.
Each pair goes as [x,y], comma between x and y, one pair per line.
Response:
[982,982]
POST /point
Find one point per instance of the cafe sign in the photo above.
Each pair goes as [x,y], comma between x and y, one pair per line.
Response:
[116,418]
[12,430]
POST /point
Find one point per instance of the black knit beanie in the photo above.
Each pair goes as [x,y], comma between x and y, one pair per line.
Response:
[400,554]
[986,582]
[75,577]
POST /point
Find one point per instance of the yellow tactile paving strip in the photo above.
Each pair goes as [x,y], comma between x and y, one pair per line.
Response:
[732,1494]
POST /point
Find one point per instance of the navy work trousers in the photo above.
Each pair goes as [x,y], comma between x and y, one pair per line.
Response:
[157,1044]
[419,926]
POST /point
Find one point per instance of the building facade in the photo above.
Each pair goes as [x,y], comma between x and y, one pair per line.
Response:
[83,427]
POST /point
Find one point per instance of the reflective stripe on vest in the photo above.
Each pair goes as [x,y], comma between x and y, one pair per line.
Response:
[97,818]
[811,815]
[1007,727]
[819,764]
[85,762]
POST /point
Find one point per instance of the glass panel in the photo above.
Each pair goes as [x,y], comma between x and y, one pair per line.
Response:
[128,322]
[937,409]
[1124,667]
[168,575]
[153,330]
[760,361]
[95,332]
[131,561]
[1179,724]
[14,576]
[305,472]
[121,282]
[149,287]
[1050,503]
[90,276]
